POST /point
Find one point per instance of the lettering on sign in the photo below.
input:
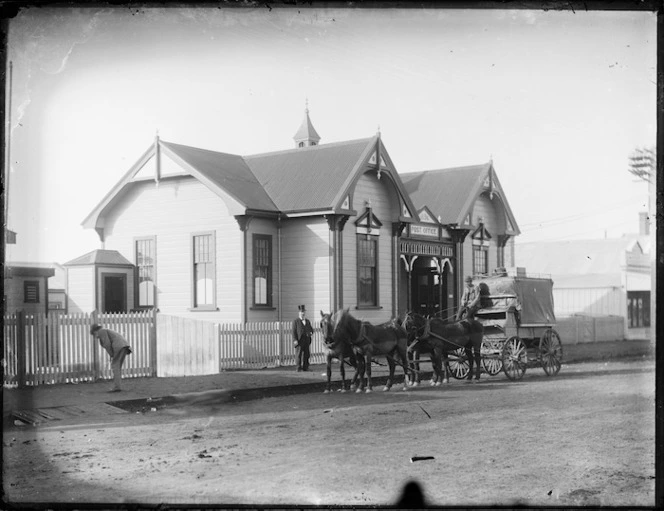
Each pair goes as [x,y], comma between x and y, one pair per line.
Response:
[426,249]
[424,230]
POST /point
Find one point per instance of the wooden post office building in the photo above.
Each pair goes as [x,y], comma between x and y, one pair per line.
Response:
[231,238]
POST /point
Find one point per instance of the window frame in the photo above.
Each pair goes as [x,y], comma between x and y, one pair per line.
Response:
[480,249]
[213,271]
[376,269]
[137,294]
[638,316]
[29,283]
[256,237]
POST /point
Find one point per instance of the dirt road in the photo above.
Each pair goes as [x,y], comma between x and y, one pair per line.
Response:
[585,437]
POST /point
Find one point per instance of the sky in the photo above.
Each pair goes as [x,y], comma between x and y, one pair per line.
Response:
[556,99]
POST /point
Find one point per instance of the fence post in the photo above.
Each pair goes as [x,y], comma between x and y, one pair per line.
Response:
[153,343]
[281,343]
[20,348]
[95,357]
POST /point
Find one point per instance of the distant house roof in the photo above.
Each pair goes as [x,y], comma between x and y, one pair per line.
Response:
[25,269]
[575,257]
[450,193]
[100,257]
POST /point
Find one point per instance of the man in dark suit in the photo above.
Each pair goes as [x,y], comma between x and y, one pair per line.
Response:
[302,332]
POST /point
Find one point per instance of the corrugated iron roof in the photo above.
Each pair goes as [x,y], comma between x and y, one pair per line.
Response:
[100,256]
[445,192]
[229,172]
[308,178]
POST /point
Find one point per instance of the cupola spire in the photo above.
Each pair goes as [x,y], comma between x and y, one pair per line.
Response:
[306,136]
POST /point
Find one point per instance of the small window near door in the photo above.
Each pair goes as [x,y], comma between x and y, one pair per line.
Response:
[31,291]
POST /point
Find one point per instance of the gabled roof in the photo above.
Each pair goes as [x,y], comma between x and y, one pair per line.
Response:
[450,193]
[306,180]
[228,172]
[101,257]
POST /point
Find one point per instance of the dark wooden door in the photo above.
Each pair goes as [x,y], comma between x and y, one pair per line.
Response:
[114,292]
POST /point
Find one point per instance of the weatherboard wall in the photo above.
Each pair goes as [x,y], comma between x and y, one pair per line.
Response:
[385,206]
[80,289]
[305,266]
[173,211]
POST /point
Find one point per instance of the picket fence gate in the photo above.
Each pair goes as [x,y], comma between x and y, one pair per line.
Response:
[57,348]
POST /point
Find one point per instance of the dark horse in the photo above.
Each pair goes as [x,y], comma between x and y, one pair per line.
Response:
[340,350]
[418,346]
[368,341]
[446,337]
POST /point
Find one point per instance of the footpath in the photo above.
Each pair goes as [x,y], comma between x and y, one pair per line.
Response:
[42,403]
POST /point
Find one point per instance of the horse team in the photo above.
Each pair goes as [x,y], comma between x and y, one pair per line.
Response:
[401,342]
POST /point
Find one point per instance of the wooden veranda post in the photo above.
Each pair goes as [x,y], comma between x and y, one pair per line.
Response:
[20,348]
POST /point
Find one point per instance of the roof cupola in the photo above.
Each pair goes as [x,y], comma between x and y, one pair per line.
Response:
[306,136]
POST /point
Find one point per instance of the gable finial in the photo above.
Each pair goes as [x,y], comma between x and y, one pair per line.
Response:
[378,131]
[306,105]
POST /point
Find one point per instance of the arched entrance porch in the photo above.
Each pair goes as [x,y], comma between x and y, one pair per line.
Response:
[430,286]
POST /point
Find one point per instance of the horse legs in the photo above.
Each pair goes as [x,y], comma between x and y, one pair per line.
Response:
[471,360]
[403,355]
[342,370]
[445,366]
[414,364]
[392,365]
[328,388]
[478,361]
[367,368]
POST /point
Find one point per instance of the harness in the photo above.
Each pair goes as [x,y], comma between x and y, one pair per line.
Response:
[428,333]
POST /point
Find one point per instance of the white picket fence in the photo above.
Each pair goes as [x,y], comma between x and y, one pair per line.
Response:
[41,349]
[263,344]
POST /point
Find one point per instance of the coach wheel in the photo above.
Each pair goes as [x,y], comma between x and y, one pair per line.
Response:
[458,363]
[491,360]
[515,358]
[551,352]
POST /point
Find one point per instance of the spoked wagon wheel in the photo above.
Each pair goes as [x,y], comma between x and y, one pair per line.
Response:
[491,361]
[515,358]
[551,352]
[458,363]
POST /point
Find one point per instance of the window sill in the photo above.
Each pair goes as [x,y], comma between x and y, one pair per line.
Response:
[262,308]
[203,309]
[368,307]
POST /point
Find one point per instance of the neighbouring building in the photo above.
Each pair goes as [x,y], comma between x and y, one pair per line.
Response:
[598,277]
[26,287]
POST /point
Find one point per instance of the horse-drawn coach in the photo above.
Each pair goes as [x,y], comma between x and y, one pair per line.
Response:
[517,315]
[510,331]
